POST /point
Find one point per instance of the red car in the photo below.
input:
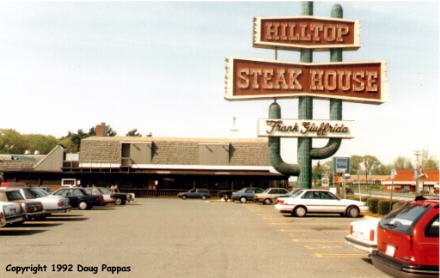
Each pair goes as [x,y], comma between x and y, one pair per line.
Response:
[408,241]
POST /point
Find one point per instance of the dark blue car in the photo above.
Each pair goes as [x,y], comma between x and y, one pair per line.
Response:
[246,194]
[201,193]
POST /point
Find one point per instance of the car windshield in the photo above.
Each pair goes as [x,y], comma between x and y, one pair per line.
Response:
[88,191]
[39,192]
[104,190]
[296,193]
[29,194]
[14,195]
[403,219]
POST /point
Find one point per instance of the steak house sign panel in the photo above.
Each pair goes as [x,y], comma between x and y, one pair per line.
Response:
[363,82]
[305,128]
[300,32]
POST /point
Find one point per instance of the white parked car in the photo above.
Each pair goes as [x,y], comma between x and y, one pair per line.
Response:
[10,213]
[270,195]
[319,201]
[363,234]
[51,203]
[32,209]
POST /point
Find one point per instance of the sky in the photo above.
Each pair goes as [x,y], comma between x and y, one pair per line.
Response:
[159,67]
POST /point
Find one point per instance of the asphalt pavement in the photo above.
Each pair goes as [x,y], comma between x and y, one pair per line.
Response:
[183,238]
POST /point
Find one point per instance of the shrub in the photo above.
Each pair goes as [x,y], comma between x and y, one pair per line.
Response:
[372,204]
[222,193]
[383,207]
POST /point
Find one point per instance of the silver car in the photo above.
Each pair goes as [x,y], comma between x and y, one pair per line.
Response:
[51,203]
[270,195]
[10,213]
[32,209]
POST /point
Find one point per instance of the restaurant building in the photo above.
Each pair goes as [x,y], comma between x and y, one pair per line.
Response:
[405,180]
[152,165]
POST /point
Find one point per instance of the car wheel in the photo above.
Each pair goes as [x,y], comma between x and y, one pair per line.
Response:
[353,212]
[203,197]
[183,197]
[267,201]
[300,211]
[118,201]
[243,200]
[83,205]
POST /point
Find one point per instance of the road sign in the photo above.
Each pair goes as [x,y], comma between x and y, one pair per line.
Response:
[393,174]
[302,32]
[341,165]
[363,82]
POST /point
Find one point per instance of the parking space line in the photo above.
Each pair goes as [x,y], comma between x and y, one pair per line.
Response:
[332,255]
[315,240]
[323,247]
[305,224]
[310,230]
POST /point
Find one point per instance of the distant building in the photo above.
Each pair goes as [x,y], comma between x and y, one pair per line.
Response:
[404,180]
[152,165]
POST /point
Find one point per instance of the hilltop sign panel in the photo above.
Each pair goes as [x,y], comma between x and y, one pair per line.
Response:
[302,32]
[363,82]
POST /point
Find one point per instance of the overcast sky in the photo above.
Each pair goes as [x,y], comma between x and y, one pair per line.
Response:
[159,67]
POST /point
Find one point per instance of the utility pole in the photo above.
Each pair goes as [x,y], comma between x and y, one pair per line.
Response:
[418,190]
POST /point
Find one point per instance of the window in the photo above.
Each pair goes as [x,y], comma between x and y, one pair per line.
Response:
[29,194]
[77,192]
[311,195]
[14,196]
[62,192]
[327,196]
[432,228]
[404,219]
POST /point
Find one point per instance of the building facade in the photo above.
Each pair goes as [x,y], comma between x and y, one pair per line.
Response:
[155,166]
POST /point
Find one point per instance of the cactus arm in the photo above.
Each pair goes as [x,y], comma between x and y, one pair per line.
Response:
[275,147]
[335,105]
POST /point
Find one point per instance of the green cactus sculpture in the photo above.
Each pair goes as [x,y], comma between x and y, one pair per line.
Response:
[306,153]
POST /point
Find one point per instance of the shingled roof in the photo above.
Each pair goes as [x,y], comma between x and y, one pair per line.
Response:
[406,176]
[173,150]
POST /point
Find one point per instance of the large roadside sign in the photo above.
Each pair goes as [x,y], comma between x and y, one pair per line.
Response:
[301,32]
[363,82]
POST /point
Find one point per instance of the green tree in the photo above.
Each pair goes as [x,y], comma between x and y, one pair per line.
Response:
[133,132]
[42,143]
[371,163]
[356,164]
[428,162]
[12,142]
[403,163]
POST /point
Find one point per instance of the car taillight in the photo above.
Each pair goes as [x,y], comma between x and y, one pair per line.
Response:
[60,204]
[29,209]
[256,196]
[232,194]
[371,235]
[280,201]
[351,229]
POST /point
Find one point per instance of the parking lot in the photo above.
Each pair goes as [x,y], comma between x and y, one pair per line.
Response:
[182,238]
